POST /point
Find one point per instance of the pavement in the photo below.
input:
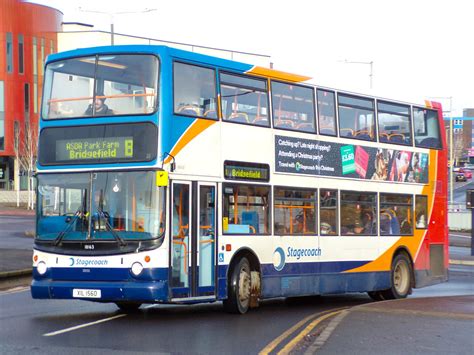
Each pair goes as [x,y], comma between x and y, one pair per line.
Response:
[430,325]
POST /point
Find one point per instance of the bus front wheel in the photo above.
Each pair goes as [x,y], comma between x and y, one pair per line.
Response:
[238,296]
[400,278]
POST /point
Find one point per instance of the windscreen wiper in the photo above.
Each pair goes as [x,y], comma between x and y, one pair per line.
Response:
[103,215]
[68,226]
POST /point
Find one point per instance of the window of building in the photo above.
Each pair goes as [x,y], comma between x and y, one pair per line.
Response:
[21,59]
[356,117]
[396,214]
[394,123]
[427,133]
[35,96]
[293,107]
[294,211]
[326,112]
[26,97]
[421,211]
[2,115]
[194,91]
[328,212]
[244,99]
[42,56]
[358,213]
[9,52]
[246,209]
[35,57]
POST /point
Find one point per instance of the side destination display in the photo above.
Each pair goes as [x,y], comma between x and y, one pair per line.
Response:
[314,157]
[236,170]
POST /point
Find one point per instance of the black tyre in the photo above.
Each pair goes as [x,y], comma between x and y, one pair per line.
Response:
[128,307]
[376,295]
[238,292]
[400,278]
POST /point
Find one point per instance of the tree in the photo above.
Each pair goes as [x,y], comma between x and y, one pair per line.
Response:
[26,148]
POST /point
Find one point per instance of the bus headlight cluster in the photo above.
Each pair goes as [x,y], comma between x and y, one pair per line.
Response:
[137,268]
[41,268]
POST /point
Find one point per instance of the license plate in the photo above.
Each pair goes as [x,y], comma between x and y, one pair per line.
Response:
[85,293]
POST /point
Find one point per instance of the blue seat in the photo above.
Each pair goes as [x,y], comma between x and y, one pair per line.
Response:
[250,218]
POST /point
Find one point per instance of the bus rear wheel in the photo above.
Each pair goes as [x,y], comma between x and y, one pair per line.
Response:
[238,297]
[128,307]
[400,278]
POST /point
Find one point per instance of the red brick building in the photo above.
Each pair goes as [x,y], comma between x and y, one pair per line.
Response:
[28,34]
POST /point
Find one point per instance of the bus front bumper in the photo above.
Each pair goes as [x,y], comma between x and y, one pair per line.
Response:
[155,291]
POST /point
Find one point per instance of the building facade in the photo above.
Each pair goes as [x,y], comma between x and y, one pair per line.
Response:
[28,34]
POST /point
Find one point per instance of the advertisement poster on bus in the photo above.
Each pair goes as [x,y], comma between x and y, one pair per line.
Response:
[314,157]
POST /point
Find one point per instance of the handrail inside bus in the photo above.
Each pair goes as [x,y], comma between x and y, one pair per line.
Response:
[118,96]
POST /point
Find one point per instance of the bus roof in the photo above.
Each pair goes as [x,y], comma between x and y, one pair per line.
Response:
[178,53]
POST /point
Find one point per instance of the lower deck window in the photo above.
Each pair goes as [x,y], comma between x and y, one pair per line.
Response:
[295,211]
[328,212]
[396,213]
[358,212]
[246,209]
[421,211]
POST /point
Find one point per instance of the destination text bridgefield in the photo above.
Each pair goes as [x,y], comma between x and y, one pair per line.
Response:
[249,174]
[93,154]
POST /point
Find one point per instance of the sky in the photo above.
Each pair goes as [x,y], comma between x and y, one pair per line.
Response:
[420,49]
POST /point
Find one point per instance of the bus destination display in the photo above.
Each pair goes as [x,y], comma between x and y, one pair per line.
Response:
[96,148]
[246,171]
[98,144]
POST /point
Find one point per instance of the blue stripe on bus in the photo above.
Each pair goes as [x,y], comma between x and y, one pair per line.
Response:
[313,278]
[101,274]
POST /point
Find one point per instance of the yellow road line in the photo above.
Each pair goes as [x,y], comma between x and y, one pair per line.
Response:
[454,315]
[273,344]
[288,347]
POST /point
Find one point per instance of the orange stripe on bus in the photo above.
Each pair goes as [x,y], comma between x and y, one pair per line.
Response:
[277,74]
[196,128]
[412,243]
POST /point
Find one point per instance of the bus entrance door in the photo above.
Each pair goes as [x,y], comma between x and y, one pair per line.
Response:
[193,242]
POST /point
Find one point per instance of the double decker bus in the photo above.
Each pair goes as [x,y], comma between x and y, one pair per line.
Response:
[166,176]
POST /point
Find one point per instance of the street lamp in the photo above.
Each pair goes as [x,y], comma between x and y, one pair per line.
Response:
[371,63]
[114,13]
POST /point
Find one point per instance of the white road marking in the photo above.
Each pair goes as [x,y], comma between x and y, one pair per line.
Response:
[83,325]
[15,290]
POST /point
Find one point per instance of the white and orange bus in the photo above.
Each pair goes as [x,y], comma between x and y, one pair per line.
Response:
[166,176]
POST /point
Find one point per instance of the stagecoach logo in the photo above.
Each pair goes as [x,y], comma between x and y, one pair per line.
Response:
[279,259]
[87,262]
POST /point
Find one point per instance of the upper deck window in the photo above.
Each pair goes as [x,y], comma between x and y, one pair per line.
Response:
[194,90]
[244,99]
[101,85]
[427,134]
[394,123]
[293,107]
[326,112]
[356,117]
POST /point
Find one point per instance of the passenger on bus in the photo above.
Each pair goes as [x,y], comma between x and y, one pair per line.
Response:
[57,109]
[101,109]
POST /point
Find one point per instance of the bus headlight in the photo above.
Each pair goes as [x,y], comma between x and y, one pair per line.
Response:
[41,268]
[137,268]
